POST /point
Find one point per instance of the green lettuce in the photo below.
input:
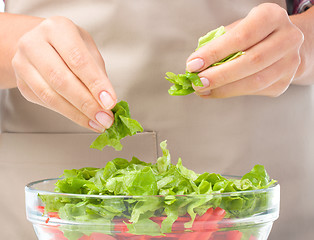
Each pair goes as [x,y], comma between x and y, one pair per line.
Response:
[123,126]
[154,189]
[183,82]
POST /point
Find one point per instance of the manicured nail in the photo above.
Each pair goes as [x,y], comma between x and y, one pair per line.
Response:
[205,82]
[106,100]
[96,126]
[195,65]
[104,119]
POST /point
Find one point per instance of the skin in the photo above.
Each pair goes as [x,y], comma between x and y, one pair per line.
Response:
[257,72]
[56,64]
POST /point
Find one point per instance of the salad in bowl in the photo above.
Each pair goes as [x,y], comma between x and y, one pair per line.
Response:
[147,201]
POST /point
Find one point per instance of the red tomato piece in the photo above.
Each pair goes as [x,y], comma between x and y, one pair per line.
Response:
[53,215]
[85,237]
[234,235]
[140,237]
[41,209]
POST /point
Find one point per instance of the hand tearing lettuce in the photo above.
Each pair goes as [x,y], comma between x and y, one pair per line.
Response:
[183,82]
[123,126]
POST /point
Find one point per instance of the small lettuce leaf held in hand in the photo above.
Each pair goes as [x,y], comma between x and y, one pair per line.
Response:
[183,82]
[123,126]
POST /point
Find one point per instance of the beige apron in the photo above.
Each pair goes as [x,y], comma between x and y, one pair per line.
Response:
[140,40]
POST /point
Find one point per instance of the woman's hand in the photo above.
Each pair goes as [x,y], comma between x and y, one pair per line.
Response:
[57,65]
[271,44]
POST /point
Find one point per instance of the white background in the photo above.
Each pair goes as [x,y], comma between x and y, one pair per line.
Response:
[1,6]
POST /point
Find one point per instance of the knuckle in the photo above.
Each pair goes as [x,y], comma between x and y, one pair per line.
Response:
[54,21]
[46,96]
[212,56]
[76,58]
[272,12]
[241,37]
[87,106]
[95,85]
[271,9]
[25,42]
[56,79]
[256,58]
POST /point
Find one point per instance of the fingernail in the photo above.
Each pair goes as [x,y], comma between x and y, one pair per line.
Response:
[104,119]
[195,64]
[205,83]
[96,126]
[106,100]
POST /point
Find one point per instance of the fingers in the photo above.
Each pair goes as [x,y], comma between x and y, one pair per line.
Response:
[255,59]
[58,66]
[26,92]
[271,44]
[80,61]
[271,81]
[242,36]
[65,83]
[35,89]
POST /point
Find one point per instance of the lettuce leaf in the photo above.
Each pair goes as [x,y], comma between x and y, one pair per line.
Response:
[183,82]
[123,126]
[154,190]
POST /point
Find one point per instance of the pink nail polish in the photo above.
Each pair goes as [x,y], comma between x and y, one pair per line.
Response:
[106,100]
[104,119]
[205,82]
[195,65]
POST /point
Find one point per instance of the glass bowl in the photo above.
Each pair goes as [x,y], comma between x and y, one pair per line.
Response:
[246,215]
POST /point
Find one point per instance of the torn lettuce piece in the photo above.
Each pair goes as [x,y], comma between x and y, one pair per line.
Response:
[183,82]
[123,126]
[160,190]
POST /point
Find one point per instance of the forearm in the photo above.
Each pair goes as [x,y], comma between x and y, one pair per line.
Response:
[305,22]
[12,28]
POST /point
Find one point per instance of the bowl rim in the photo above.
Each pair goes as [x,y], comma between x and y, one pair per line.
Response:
[30,188]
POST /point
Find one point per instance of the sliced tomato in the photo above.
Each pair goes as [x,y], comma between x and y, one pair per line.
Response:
[234,235]
[85,237]
[53,215]
[41,209]
[141,237]
[189,236]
